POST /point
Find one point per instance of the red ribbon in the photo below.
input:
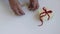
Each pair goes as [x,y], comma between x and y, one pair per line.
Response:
[45,13]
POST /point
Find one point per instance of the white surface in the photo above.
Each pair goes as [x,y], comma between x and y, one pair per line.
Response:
[27,24]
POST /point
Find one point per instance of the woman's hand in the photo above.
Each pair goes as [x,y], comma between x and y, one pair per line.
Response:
[33,5]
[16,7]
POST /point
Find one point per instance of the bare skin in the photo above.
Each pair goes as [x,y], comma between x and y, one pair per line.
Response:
[33,5]
[16,6]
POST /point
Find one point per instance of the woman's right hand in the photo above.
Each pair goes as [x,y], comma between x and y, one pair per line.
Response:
[16,7]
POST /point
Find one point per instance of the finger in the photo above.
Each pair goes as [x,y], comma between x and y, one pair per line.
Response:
[37,6]
[16,11]
[34,7]
[20,10]
[30,7]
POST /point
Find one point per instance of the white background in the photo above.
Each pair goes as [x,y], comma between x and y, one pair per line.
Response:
[28,24]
